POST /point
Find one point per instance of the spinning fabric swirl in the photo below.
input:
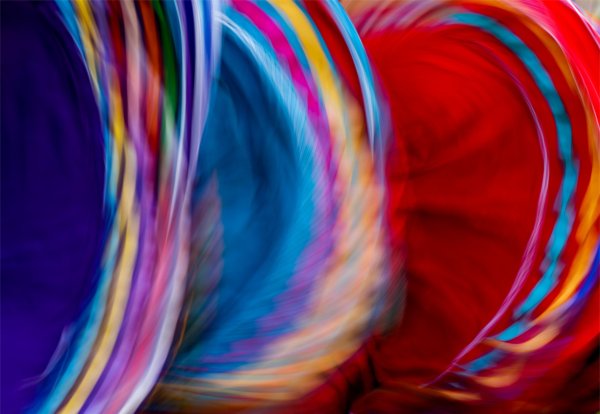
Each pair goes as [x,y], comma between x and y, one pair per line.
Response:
[284,138]
[310,206]
[497,179]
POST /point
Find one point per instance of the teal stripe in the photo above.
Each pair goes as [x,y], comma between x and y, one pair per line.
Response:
[564,221]
[365,74]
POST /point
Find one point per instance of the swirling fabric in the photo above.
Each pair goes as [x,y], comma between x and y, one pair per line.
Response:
[495,109]
[300,206]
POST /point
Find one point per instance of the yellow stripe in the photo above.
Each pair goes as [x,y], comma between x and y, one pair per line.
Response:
[586,234]
[540,340]
[502,377]
[89,38]
[318,62]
